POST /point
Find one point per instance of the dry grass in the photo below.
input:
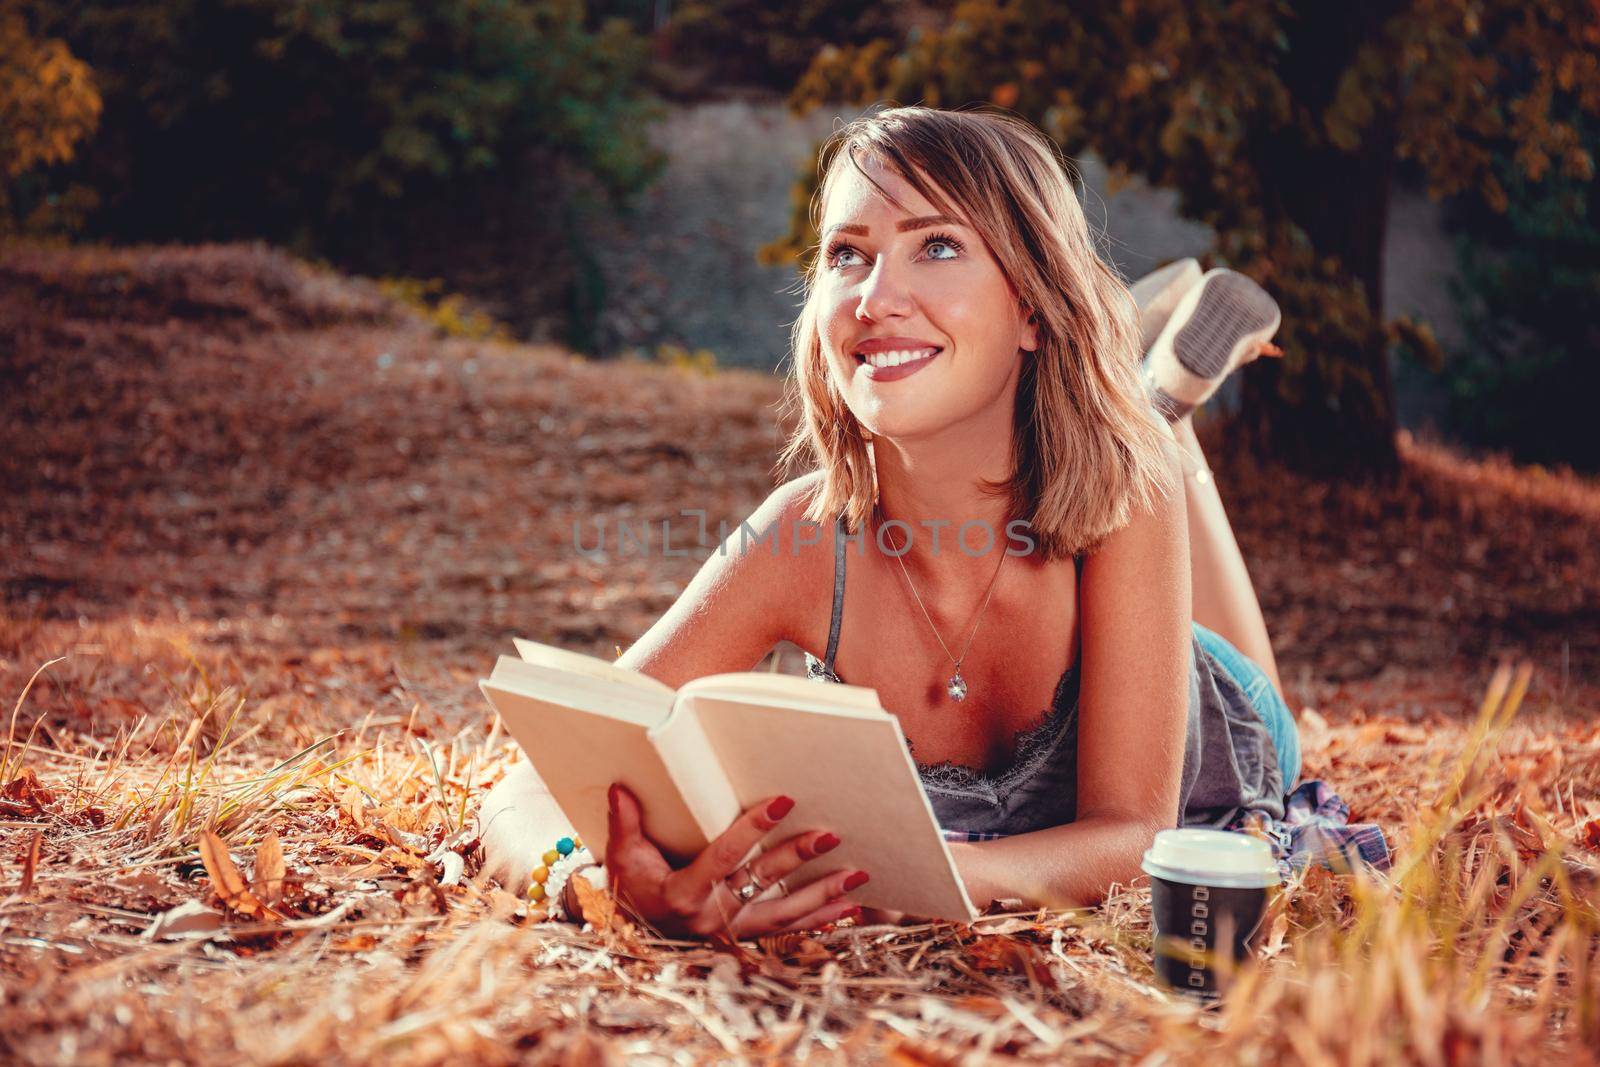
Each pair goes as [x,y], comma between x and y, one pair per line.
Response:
[1482,945]
[242,749]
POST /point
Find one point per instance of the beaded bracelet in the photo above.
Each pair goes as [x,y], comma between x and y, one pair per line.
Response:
[548,881]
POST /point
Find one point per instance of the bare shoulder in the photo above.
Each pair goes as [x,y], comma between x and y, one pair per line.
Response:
[749,594]
[781,550]
[786,507]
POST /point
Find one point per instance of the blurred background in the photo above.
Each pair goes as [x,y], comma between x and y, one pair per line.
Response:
[1412,180]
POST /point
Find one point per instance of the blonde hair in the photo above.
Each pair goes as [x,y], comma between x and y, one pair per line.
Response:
[1087,445]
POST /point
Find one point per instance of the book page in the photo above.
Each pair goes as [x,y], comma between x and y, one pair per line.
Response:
[592,666]
[847,773]
[625,702]
[692,762]
[788,690]
[581,734]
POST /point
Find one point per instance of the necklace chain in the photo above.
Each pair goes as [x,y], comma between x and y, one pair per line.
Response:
[957,687]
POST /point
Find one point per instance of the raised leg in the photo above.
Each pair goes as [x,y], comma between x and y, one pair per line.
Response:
[1224,598]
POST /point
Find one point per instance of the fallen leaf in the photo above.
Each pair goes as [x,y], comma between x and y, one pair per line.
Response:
[228,882]
[1000,954]
[984,1004]
[270,871]
[30,863]
[25,794]
[1589,835]
[506,906]
[1531,831]
[355,943]
[925,1053]
[597,906]
[797,948]
[225,876]
[1010,924]
[1275,936]
[353,805]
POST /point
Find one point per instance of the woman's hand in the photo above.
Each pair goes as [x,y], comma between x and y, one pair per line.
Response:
[699,899]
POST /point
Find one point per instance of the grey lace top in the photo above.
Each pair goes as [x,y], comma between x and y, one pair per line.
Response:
[1229,759]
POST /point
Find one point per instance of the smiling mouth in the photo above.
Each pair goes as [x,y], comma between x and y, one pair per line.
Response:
[896,358]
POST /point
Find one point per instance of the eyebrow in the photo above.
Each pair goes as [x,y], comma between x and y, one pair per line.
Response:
[919,223]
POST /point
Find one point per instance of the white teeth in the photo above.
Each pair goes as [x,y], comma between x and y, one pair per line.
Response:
[894,359]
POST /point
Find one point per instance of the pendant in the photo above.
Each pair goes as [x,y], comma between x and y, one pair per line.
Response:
[957,687]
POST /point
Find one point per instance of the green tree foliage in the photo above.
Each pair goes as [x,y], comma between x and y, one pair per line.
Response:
[1524,377]
[48,105]
[1280,124]
[756,42]
[395,135]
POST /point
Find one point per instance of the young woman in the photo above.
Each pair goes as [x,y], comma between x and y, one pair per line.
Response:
[964,360]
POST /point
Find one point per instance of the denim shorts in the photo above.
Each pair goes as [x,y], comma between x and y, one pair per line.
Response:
[1259,690]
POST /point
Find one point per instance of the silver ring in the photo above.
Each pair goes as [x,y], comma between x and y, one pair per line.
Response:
[751,888]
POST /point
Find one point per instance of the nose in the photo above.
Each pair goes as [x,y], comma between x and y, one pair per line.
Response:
[883,294]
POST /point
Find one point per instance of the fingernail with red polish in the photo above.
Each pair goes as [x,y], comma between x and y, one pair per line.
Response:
[779,808]
[851,912]
[825,843]
[856,881]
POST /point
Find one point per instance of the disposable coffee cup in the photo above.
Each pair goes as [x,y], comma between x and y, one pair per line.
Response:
[1209,890]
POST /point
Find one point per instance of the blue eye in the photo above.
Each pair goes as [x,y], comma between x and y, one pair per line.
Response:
[835,250]
[839,248]
[943,239]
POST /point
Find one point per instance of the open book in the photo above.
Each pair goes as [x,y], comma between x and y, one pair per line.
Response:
[698,756]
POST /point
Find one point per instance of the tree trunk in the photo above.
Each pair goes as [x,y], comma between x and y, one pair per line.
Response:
[1342,419]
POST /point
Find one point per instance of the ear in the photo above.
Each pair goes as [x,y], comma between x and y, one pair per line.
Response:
[1028,338]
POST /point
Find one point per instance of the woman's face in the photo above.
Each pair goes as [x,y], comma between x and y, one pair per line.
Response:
[920,288]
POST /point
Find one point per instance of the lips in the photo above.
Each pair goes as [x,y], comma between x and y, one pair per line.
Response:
[896,364]
[895,356]
[871,346]
[886,359]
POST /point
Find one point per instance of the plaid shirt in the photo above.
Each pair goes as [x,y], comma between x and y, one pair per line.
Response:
[1315,828]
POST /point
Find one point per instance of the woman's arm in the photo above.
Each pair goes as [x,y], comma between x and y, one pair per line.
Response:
[741,603]
[1133,716]
[731,615]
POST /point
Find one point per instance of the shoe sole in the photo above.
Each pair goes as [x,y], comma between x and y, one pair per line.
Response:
[1232,311]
